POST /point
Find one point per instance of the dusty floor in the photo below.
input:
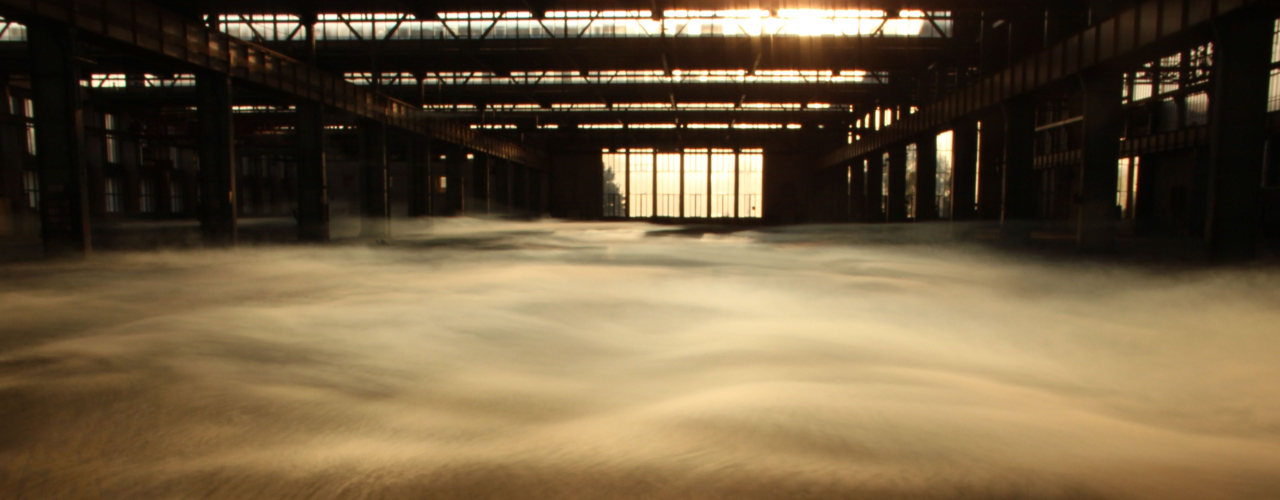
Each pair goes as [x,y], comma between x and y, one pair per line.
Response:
[474,359]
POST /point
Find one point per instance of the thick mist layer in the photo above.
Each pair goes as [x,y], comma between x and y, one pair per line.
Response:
[473,359]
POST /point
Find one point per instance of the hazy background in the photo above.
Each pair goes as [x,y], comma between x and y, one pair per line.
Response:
[479,359]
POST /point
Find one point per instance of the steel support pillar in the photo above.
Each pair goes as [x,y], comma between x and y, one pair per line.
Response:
[874,187]
[313,185]
[990,168]
[217,159]
[1103,126]
[59,122]
[375,220]
[927,177]
[481,184]
[1018,190]
[857,191]
[1237,127]
[897,206]
[964,170]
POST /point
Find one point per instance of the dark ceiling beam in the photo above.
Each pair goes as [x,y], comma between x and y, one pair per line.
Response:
[155,33]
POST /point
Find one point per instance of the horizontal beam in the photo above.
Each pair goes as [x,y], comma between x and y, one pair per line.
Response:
[1121,37]
[147,28]
[431,6]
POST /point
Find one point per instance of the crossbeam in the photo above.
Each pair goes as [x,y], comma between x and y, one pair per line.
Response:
[145,27]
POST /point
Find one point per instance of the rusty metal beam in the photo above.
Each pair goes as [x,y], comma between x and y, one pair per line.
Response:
[1130,33]
[145,27]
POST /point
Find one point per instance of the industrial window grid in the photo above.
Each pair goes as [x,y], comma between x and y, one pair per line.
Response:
[689,183]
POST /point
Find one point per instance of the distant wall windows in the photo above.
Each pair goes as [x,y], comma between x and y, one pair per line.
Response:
[913,165]
[696,177]
[29,111]
[1127,186]
[112,195]
[884,184]
[31,188]
[176,198]
[640,180]
[751,183]
[113,143]
[946,168]
[146,196]
[722,170]
[692,183]
[668,183]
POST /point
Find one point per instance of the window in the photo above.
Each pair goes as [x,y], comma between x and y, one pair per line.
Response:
[751,183]
[723,167]
[111,190]
[442,184]
[716,183]
[913,164]
[1197,109]
[640,179]
[946,162]
[29,111]
[884,184]
[1127,186]
[112,142]
[175,197]
[977,168]
[31,187]
[615,184]
[668,183]
[146,196]
[695,182]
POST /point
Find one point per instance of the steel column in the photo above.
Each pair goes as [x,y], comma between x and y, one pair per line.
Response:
[1019,191]
[217,159]
[1238,119]
[59,121]
[927,177]
[1103,126]
[875,192]
[313,185]
[964,170]
[375,220]
[897,206]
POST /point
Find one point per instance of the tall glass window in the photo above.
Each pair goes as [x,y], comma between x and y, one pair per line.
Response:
[1127,186]
[751,183]
[31,187]
[946,162]
[146,196]
[640,202]
[113,143]
[615,184]
[723,167]
[913,164]
[884,184]
[695,182]
[175,197]
[715,183]
[111,192]
[668,169]
[29,111]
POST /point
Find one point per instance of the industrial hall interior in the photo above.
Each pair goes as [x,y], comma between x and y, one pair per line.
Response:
[640,249]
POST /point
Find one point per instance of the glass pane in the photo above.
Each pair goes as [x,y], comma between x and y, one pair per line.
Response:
[942,191]
[695,183]
[750,184]
[722,170]
[641,180]
[669,185]
[615,184]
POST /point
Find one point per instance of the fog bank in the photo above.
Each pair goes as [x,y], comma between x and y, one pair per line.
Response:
[480,359]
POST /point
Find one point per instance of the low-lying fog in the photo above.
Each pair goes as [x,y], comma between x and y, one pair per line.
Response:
[476,360]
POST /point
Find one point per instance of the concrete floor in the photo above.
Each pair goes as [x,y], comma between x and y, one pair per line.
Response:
[480,359]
